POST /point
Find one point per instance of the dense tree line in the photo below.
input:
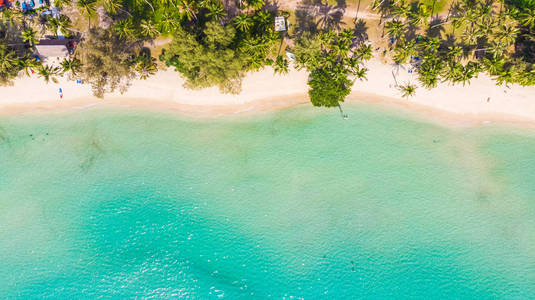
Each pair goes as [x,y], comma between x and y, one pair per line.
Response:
[215,53]
[217,45]
[489,36]
[333,61]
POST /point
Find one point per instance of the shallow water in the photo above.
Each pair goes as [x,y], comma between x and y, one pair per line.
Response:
[297,203]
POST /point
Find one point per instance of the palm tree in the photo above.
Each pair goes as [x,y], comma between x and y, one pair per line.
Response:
[61,3]
[12,17]
[497,48]
[140,4]
[63,24]
[186,8]
[505,76]
[112,6]
[407,90]
[430,45]
[471,16]
[452,72]
[255,62]
[420,15]
[403,50]
[346,36]
[168,22]
[263,18]
[216,11]
[457,22]
[48,73]
[165,3]
[485,27]
[148,29]
[255,4]
[429,70]
[87,8]
[507,34]
[401,10]
[8,58]
[29,36]
[395,29]
[125,29]
[72,65]
[493,65]
[27,63]
[364,52]
[281,65]
[467,74]
[9,65]
[360,72]
[470,35]
[454,52]
[527,17]
[146,66]
[243,22]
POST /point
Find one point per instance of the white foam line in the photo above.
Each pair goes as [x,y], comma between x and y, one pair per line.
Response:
[86,106]
[244,110]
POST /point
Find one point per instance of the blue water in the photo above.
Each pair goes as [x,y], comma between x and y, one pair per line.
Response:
[293,204]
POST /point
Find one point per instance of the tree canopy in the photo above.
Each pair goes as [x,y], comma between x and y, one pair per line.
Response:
[106,61]
[334,61]
[216,53]
[207,59]
[216,43]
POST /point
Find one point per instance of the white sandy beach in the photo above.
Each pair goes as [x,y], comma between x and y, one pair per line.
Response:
[265,91]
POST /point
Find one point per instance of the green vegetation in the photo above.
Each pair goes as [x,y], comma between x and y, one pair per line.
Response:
[332,61]
[475,36]
[216,53]
[216,43]
[407,90]
[10,65]
[106,61]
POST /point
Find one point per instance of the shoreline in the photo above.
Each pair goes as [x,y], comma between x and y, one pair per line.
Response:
[263,91]
[420,112]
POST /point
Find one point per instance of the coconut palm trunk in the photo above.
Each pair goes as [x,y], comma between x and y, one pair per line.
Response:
[433,9]
[342,111]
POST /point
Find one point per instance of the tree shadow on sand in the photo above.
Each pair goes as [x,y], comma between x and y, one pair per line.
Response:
[313,15]
[436,28]
[361,30]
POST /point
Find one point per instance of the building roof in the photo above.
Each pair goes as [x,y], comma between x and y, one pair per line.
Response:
[52,48]
[280,24]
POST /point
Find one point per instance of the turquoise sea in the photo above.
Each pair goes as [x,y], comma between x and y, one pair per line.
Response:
[286,205]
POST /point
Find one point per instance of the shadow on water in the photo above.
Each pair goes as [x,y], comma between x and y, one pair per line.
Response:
[93,151]
[4,139]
